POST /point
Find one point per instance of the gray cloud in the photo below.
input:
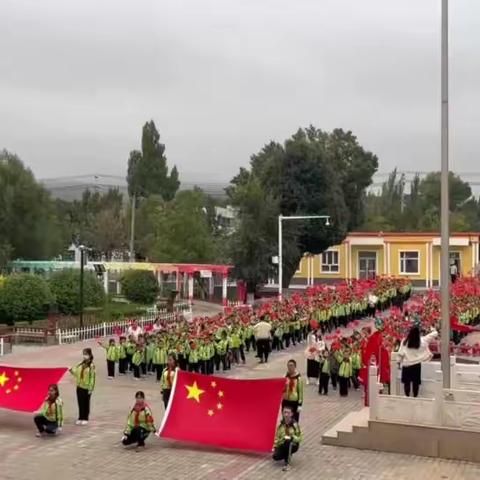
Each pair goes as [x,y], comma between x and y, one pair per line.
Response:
[222,77]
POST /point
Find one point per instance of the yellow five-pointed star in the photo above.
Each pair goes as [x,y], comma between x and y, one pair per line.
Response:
[219,406]
[213,384]
[194,392]
[220,394]
[210,413]
[3,379]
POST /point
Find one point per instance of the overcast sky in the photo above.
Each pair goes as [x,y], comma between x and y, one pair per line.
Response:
[222,77]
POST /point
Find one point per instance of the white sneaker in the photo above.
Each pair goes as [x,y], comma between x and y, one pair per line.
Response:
[84,422]
[78,422]
[39,435]
[110,378]
[307,382]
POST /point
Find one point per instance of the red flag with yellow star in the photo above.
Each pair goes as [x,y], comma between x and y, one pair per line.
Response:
[225,412]
[25,389]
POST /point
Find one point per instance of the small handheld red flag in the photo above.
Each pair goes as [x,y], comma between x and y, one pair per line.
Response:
[228,413]
[24,389]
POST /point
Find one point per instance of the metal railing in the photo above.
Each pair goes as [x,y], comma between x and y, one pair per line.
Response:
[89,332]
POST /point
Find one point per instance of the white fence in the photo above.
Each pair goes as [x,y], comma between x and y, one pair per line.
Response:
[2,346]
[70,335]
[457,407]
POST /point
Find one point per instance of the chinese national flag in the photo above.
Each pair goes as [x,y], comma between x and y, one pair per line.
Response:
[25,389]
[227,413]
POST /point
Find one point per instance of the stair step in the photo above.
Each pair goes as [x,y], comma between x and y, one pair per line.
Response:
[353,419]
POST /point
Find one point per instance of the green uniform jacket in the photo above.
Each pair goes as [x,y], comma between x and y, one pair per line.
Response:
[138,357]
[325,366]
[85,377]
[284,430]
[121,351]
[145,420]
[53,412]
[345,369]
[112,352]
[160,355]
[295,394]
[130,348]
[165,383]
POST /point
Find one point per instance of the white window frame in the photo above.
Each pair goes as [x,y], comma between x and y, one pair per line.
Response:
[374,252]
[329,265]
[401,272]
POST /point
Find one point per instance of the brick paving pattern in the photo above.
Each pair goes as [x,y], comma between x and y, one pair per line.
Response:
[94,452]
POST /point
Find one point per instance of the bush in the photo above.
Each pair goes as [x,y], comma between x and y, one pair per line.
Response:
[140,286]
[65,286]
[24,297]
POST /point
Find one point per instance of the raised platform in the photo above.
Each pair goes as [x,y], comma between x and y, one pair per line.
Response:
[357,431]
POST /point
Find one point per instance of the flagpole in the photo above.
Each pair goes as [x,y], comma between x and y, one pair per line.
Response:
[444,205]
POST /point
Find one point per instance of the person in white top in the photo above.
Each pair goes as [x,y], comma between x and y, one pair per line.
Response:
[134,330]
[262,331]
[315,346]
[413,351]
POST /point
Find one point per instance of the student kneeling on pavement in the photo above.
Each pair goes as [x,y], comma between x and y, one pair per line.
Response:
[139,423]
[287,438]
[49,421]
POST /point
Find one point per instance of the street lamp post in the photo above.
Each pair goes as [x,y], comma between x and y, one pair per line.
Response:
[82,268]
[281,218]
[444,206]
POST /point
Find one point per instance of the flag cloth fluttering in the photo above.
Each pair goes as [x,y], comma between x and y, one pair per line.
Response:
[24,389]
[227,413]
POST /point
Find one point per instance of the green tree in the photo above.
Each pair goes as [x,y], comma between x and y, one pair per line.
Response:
[24,297]
[178,231]
[312,173]
[140,286]
[65,287]
[29,228]
[148,171]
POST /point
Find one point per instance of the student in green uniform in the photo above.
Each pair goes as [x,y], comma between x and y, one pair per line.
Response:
[150,348]
[112,352]
[139,423]
[324,373]
[344,374]
[293,393]
[84,374]
[130,348]
[356,360]
[122,356]
[49,420]
[137,360]
[287,438]
[193,365]
[160,357]
[168,377]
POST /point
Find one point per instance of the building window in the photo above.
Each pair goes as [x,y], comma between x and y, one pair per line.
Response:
[330,262]
[409,263]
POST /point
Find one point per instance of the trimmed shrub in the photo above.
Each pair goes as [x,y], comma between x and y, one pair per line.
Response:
[65,286]
[140,286]
[24,297]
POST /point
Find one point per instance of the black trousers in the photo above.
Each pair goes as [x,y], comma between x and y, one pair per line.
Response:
[110,368]
[83,399]
[263,349]
[45,425]
[122,365]
[129,362]
[137,435]
[323,386]
[166,397]
[294,407]
[343,382]
[193,367]
[210,366]
[143,367]
[284,451]
[242,353]
[334,378]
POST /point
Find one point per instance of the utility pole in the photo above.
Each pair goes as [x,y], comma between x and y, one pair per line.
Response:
[132,228]
[82,264]
[445,207]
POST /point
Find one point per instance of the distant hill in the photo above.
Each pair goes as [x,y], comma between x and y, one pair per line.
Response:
[72,188]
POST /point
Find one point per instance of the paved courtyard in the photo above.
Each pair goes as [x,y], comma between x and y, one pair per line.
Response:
[94,452]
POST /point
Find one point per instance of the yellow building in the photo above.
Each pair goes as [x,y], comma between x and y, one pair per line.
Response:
[412,255]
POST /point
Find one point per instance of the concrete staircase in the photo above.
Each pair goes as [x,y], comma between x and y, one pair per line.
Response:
[357,431]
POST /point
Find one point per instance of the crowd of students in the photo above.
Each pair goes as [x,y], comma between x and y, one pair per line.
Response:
[208,345]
